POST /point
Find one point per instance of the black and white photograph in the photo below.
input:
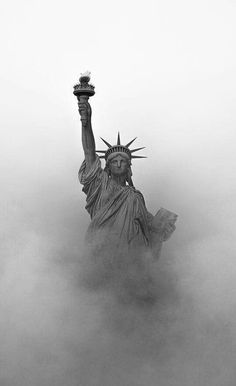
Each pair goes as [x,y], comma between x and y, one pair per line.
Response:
[118,193]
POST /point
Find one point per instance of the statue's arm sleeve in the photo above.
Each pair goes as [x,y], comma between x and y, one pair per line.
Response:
[149,216]
[91,178]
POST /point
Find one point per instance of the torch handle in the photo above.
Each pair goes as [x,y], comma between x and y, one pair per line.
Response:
[83,98]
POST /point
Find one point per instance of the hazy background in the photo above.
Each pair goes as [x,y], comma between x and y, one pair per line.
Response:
[165,72]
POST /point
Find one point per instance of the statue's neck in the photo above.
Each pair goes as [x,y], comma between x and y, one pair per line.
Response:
[118,180]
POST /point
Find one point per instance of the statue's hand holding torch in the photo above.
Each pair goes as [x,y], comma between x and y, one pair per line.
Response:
[85,112]
[83,90]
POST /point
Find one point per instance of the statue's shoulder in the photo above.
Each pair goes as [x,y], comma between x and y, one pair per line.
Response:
[136,193]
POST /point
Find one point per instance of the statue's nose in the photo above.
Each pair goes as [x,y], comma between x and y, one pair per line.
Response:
[118,164]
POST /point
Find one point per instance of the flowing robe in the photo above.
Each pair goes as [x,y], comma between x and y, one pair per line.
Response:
[118,216]
[122,238]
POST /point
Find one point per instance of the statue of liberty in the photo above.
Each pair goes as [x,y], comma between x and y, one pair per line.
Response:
[120,220]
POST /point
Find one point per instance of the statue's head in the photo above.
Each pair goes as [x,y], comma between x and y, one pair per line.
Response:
[118,159]
[118,164]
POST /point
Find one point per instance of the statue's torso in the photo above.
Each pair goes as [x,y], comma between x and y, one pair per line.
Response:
[116,209]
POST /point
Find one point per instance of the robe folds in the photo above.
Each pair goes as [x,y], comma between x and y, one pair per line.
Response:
[118,215]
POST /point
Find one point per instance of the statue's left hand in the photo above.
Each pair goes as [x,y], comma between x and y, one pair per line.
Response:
[163,224]
[167,231]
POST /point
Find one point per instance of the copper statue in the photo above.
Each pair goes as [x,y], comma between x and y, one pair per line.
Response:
[119,217]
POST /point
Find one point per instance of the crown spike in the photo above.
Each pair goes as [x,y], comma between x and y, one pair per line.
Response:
[118,139]
[128,144]
[101,151]
[138,156]
[139,148]
[108,144]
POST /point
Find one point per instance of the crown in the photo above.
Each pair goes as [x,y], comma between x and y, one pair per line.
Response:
[118,148]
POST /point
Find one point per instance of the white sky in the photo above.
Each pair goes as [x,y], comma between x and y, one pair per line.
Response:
[164,71]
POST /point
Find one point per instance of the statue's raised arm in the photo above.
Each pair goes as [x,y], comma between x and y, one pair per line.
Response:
[83,91]
[88,141]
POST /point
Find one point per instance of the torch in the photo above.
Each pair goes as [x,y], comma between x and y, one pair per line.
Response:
[83,90]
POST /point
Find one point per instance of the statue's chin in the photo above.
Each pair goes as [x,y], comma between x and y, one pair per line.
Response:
[118,174]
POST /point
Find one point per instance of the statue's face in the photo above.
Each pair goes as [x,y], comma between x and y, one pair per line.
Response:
[119,165]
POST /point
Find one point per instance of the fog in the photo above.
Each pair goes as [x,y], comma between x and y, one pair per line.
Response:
[163,71]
